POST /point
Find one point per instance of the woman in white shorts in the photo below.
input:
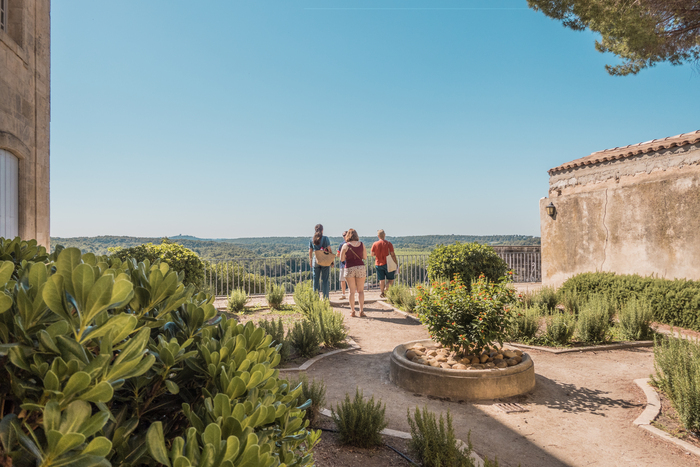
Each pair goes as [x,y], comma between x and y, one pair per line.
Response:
[354,254]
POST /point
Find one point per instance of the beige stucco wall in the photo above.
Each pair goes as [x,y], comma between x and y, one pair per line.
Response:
[25,105]
[639,215]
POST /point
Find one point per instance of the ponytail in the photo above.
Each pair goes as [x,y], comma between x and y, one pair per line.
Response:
[318,235]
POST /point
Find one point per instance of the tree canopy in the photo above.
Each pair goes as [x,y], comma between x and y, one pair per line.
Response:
[640,32]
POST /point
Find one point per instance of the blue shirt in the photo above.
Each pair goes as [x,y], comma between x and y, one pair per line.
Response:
[324,243]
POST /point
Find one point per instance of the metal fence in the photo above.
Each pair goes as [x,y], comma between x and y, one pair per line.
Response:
[257,275]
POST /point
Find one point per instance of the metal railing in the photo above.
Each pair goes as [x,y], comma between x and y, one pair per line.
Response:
[257,275]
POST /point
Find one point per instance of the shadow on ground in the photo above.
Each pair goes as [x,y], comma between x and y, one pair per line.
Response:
[571,398]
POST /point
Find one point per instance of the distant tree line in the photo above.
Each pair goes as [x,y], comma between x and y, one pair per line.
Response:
[267,247]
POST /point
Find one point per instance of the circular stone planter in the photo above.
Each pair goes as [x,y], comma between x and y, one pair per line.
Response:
[467,385]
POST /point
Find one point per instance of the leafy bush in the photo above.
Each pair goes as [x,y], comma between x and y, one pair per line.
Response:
[329,324]
[275,296]
[677,364]
[108,361]
[315,391]
[276,330]
[571,300]
[468,260]
[434,441]
[402,297]
[547,297]
[237,300]
[393,295]
[674,302]
[466,320]
[304,337]
[635,320]
[526,323]
[176,256]
[360,422]
[560,328]
[593,321]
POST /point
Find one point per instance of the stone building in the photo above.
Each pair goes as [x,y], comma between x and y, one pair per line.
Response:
[628,210]
[25,68]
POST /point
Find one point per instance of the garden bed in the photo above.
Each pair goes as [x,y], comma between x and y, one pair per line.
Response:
[668,421]
[289,315]
[330,452]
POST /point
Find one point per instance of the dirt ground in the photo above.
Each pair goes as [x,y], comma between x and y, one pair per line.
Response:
[579,414]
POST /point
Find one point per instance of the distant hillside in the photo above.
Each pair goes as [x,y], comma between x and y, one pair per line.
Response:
[206,249]
[228,249]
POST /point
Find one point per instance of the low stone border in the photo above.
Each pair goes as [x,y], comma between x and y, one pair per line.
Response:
[621,345]
[651,412]
[478,461]
[305,366]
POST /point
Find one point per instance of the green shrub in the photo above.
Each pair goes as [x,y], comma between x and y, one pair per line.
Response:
[176,256]
[468,260]
[571,300]
[467,320]
[526,323]
[674,302]
[593,321]
[275,296]
[547,298]
[107,362]
[315,391]
[677,364]
[393,295]
[360,422]
[434,442]
[305,298]
[304,337]
[635,320]
[237,300]
[408,299]
[603,303]
[402,297]
[560,328]
[276,330]
[329,324]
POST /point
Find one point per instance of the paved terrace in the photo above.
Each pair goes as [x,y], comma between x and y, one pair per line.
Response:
[579,414]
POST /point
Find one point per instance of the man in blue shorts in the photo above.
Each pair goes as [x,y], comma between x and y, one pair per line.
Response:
[381,249]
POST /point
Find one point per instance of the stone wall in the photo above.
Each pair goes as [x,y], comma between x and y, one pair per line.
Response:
[636,215]
[25,105]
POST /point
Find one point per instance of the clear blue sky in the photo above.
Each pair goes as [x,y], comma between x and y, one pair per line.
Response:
[241,118]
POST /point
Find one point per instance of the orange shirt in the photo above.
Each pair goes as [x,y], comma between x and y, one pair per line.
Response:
[381,250]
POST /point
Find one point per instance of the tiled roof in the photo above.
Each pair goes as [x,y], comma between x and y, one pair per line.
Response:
[631,150]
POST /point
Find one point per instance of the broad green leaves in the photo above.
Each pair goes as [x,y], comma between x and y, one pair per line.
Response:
[98,348]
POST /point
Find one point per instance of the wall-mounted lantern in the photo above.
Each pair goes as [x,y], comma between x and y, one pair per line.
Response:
[551,210]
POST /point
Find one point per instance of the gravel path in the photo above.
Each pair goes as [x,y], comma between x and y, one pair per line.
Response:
[579,414]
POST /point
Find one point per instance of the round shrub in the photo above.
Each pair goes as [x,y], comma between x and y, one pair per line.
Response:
[177,256]
[468,260]
[467,320]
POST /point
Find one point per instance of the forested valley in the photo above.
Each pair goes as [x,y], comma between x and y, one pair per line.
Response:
[225,249]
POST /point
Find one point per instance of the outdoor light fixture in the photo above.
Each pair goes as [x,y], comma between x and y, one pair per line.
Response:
[551,210]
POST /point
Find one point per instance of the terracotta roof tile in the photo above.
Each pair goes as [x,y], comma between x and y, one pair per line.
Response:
[631,150]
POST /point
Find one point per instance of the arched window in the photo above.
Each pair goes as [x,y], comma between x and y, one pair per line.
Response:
[9,194]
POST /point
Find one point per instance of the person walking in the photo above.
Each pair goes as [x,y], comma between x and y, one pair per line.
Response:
[381,249]
[354,254]
[320,242]
[341,274]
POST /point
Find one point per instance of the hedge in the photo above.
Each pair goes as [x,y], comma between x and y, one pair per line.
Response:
[674,302]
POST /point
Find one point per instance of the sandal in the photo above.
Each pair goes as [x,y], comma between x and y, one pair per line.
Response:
[362,315]
[353,315]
